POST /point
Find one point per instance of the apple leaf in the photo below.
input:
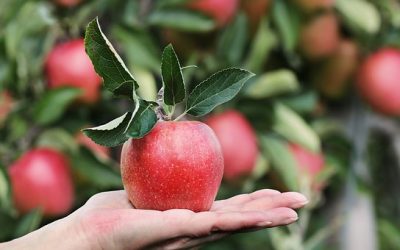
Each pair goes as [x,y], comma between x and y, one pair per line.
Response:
[111,134]
[143,121]
[215,90]
[29,223]
[53,104]
[174,86]
[181,19]
[107,63]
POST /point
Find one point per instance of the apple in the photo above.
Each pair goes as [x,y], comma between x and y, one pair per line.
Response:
[6,104]
[41,179]
[332,76]
[177,165]
[309,164]
[68,3]
[319,37]
[314,5]
[238,142]
[100,151]
[68,65]
[255,10]
[378,80]
[222,11]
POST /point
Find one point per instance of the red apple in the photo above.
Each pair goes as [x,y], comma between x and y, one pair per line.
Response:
[255,10]
[6,104]
[332,76]
[68,65]
[314,5]
[68,3]
[310,164]
[379,80]
[176,165]
[222,11]
[100,151]
[319,37]
[41,179]
[238,143]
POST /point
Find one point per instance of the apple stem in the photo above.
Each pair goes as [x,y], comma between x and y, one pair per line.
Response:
[180,116]
[160,108]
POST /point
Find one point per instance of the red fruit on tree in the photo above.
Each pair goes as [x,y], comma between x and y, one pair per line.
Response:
[176,165]
[309,163]
[238,142]
[100,151]
[313,5]
[320,37]
[68,65]
[222,11]
[68,3]
[41,179]
[6,104]
[378,80]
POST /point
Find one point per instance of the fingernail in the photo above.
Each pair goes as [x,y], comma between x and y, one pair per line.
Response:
[291,220]
[301,203]
[264,224]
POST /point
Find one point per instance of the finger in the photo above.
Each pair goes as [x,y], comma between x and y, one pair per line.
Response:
[289,199]
[243,198]
[112,199]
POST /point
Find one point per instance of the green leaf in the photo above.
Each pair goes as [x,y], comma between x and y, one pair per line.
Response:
[143,121]
[111,134]
[59,139]
[291,126]
[282,160]
[181,19]
[287,20]
[53,104]
[29,223]
[302,103]
[173,84]
[93,171]
[215,90]
[107,63]
[147,84]
[233,40]
[360,15]
[273,83]
[5,192]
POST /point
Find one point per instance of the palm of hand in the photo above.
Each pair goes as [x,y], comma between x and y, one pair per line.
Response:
[109,221]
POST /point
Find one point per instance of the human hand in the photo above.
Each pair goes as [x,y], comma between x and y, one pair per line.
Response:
[108,221]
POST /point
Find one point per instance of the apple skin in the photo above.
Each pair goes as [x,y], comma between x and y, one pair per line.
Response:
[379,80]
[41,178]
[68,3]
[238,142]
[314,5]
[309,163]
[178,165]
[6,104]
[333,75]
[100,151]
[222,11]
[68,65]
[319,37]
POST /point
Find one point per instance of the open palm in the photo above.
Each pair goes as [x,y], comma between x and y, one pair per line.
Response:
[109,221]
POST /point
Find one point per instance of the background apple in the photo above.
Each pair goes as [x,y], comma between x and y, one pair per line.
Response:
[309,163]
[68,65]
[255,10]
[176,165]
[221,10]
[68,3]
[41,179]
[319,37]
[378,80]
[238,142]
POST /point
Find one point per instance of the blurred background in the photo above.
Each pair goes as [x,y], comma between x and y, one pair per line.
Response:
[320,117]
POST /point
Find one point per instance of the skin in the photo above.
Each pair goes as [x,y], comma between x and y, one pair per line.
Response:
[378,80]
[240,151]
[41,178]
[68,65]
[165,169]
[313,44]
[108,221]
[221,10]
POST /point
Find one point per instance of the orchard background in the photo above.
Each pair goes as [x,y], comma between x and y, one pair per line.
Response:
[319,117]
